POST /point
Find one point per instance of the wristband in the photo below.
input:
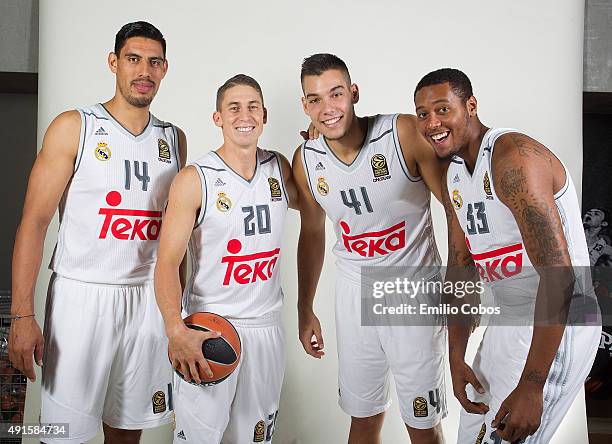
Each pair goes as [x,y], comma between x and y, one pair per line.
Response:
[17,317]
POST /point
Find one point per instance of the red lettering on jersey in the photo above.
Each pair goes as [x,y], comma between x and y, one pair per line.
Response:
[500,263]
[375,243]
[124,226]
[248,268]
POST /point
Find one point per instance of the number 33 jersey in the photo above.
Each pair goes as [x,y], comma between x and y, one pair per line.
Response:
[111,210]
[235,244]
[379,211]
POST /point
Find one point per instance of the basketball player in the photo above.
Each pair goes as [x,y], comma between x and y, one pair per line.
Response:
[372,176]
[595,221]
[109,168]
[229,206]
[513,214]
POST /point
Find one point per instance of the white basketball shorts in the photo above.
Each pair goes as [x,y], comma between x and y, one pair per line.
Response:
[498,365]
[242,408]
[367,354]
[105,359]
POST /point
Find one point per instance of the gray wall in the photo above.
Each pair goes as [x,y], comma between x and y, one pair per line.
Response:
[19,35]
[598,46]
[18,148]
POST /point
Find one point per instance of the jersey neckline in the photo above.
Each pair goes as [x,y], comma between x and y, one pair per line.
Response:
[359,158]
[136,137]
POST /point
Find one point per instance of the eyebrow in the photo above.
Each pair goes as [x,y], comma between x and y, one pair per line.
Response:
[249,103]
[331,91]
[131,54]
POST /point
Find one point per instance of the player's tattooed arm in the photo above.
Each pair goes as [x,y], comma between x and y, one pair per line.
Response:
[418,154]
[289,182]
[524,175]
[50,174]
[311,251]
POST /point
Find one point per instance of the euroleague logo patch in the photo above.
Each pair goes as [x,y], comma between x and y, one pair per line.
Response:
[486,182]
[275,189]
[164,151]
[102,152]
[419,405]
[259,433]
[159,402]
[379,168]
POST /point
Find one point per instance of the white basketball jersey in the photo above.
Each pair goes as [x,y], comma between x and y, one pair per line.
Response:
[111,211]
[380,212]
[235,245]
[491,231]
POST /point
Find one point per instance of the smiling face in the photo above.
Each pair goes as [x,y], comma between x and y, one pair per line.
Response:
[241,116]
[329,101]
[443,118]
[140,67]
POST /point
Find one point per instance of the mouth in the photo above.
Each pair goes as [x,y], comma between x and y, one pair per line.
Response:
[245,129]
[330,123]
[143,87]
[439,138]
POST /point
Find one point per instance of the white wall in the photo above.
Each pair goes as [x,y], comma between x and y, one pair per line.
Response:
[524,59]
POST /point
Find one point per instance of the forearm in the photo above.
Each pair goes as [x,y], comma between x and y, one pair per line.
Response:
[168,294]
[27,256]
[311,250]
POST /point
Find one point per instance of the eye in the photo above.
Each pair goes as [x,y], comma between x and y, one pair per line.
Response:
[421,115]
[233,109]
[253,107]
[156,63]
[444,110]
[314,101]
[133,59]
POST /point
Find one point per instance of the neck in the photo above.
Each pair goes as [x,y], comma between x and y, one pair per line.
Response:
[350,144]
[131,117]
[591,234]
[469,153]
[243,160]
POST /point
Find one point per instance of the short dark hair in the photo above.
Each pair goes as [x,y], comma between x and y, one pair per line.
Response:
[238,79]
[458,81]
[317,64]
[138,29]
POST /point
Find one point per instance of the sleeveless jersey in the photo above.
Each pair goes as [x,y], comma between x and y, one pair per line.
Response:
[110,213]
[379,211]
[235,244]
[492,233]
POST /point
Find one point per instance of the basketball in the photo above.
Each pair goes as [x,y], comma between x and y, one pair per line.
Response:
[222,353]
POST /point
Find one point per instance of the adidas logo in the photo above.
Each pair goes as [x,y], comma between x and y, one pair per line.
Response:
[319,167]
[219,182]
[181,435]
[456,179]
[101,132]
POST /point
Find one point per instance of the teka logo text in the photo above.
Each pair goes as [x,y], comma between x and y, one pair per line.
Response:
[374,243]
[125,224]
[248,268]
[499,264]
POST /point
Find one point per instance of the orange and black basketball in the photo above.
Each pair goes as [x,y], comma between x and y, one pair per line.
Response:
[222,353]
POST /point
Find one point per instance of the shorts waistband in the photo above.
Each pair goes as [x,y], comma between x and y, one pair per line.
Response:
[56,277]
[267,320]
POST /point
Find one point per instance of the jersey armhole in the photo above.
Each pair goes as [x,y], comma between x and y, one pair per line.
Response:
[306,173]
[400,153]
[82,135]
[177,150]
[204,202]
[280,169]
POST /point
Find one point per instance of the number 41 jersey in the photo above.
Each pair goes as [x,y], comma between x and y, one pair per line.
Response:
[235,244]
[111,210]
[380,212]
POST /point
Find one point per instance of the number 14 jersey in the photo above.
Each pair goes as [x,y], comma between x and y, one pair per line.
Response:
[380,212]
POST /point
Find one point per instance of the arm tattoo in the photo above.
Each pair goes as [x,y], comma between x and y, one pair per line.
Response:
[538,220]
[536,376]
[513,182]
[527,146]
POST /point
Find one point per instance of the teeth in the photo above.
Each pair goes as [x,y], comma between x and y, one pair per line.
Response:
[331,121]
[440,136]
[245,129]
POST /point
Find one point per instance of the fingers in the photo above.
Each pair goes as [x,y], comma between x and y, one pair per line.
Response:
[473,380]
[500,416]
[28,366]
[38,352]
[469,406]
[313,133]
[304,135]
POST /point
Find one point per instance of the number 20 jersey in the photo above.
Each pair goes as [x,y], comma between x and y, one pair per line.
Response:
[235,244]
[380,212]
[111,210]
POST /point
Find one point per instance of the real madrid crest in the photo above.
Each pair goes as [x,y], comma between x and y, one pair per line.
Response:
[457,200]
[164,150]
[223,202]
[487,185]
[379,168]
[275,189]
[102,152]
[322,187]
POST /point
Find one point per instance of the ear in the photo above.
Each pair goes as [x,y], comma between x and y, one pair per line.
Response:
[112,62]
[165,68]
[354,93]
[472,106]
[604,224]
[304,103]
[265,116]
[217,119]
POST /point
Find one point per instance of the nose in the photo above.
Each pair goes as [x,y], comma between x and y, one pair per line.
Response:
[432,122]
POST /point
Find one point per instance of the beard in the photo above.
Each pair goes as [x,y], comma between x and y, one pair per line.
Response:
[136,101]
